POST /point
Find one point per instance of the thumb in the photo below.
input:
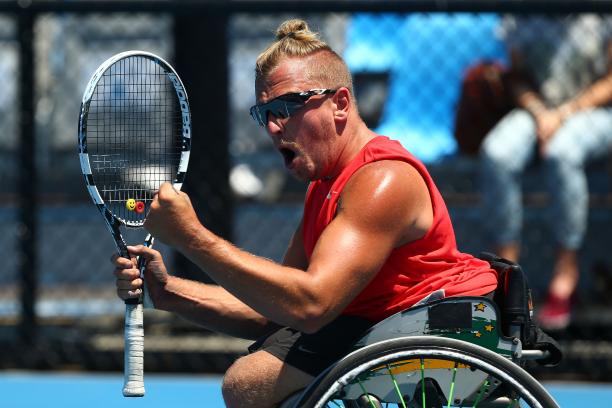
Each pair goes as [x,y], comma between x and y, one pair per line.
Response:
[185,196]
[148,254]
[167,191]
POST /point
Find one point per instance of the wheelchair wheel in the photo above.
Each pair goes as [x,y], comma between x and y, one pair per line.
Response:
[420,371]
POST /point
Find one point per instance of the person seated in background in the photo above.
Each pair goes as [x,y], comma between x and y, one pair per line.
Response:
[375,237]
[563,115]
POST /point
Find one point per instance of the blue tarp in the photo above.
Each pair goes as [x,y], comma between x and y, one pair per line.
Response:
[426,56]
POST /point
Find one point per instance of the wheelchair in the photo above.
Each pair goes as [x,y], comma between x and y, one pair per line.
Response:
[450,352]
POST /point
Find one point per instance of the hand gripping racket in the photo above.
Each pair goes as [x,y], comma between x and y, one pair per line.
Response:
[134,135]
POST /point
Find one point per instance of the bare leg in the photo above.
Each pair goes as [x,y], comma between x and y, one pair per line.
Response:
[565,274]
[261,380]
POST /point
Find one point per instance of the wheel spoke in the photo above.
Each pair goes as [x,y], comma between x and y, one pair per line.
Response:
[423,382]
[452,387]
[481,391]
[395,385]
[367,395]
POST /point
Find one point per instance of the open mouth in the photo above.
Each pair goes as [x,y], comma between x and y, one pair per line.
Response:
[288,155]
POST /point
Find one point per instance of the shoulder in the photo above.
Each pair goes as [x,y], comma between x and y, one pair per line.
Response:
[382,176]
[388,195]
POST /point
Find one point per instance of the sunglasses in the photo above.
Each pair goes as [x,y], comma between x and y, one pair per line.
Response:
[285,105]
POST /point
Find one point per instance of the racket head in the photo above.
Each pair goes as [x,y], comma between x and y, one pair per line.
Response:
[134,134]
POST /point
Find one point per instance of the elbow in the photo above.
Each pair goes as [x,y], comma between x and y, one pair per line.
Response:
[312,318]
[314,308]
[310,327]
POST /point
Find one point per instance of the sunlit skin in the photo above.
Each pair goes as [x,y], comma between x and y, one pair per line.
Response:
[311,133]
[384,205]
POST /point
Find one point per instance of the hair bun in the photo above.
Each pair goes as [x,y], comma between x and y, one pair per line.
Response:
[290,28]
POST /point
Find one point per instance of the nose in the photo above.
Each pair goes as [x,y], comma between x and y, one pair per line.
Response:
[273,125]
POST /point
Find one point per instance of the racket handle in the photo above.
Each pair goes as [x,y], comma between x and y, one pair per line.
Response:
[133,381]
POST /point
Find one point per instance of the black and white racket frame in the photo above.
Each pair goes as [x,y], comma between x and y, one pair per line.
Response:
[134,328]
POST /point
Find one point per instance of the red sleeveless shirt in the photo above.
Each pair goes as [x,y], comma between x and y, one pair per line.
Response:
[413,270]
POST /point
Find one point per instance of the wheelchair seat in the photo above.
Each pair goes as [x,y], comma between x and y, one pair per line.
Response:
[473,319]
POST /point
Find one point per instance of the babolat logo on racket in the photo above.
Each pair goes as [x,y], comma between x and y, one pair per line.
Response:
[184,105]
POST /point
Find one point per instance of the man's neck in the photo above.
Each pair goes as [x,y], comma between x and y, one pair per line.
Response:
[356,139]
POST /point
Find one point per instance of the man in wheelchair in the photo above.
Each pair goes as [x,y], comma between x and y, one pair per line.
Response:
[375,237]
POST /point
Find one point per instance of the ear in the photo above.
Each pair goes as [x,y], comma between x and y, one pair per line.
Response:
[343,100]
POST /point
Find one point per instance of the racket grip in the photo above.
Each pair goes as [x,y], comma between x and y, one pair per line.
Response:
[133,381]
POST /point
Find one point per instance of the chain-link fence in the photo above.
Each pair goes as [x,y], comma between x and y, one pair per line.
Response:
[408,65]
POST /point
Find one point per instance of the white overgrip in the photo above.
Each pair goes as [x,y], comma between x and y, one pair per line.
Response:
[133,381]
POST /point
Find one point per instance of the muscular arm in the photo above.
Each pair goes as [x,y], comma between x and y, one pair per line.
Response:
[207,305]
[295,256]
[213,307]
[383,206]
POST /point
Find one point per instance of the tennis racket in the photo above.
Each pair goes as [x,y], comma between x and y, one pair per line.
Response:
[134,135]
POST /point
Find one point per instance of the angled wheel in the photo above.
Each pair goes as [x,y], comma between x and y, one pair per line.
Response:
[427,372]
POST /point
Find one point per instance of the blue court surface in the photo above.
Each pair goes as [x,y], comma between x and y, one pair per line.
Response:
[34,390]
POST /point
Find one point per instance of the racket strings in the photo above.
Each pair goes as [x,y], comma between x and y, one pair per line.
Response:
[134,134]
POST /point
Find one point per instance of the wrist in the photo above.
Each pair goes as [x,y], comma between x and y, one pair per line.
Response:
[535,107]
[191,232]
[164,295]
[153,290]
[566,110]
[197,241]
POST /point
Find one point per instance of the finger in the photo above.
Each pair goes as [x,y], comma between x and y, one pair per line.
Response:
[129,288]
[128,294]
[132,284]
[122,262]
[154,206]
[134,293]
[126,274]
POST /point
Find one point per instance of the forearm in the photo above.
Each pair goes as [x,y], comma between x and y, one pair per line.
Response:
[598,94]
[528,99]
[212,307]
[283,294]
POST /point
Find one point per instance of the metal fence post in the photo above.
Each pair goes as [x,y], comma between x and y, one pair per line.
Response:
[27,196]
[201,54]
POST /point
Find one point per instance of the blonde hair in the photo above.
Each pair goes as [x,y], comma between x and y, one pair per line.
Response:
[295,40]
